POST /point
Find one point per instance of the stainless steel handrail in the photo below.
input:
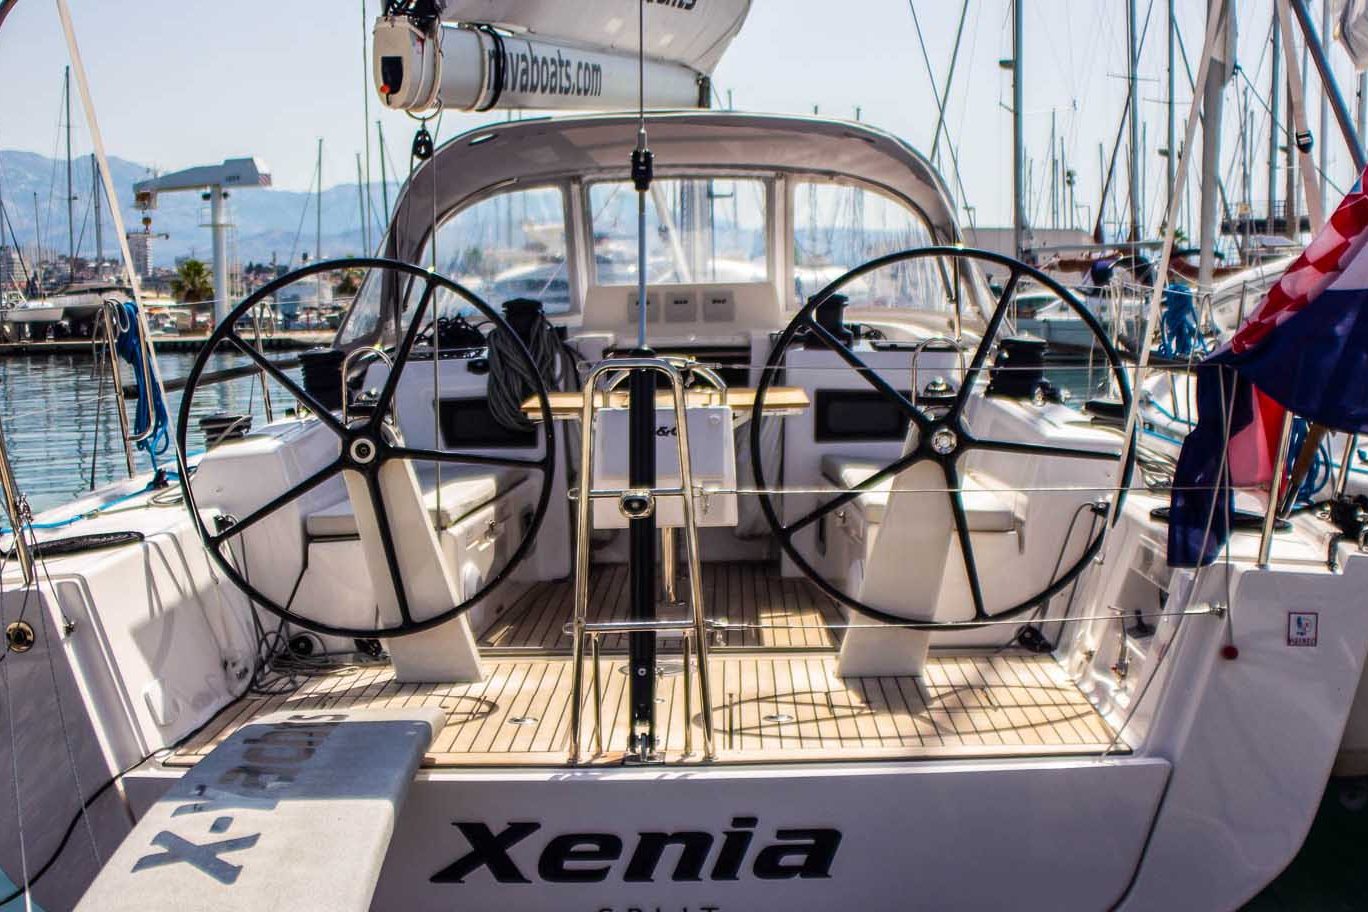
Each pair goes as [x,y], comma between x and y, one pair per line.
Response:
[697,627]
[261,373]
[916,354]
[108,320]
[1270,523]
[1346,464]
[685,365]
[107,309]
[354,354]
[18,511]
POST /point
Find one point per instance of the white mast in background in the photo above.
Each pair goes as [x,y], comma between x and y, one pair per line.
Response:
[1213,106]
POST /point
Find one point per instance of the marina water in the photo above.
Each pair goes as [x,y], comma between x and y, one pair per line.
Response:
[59,417]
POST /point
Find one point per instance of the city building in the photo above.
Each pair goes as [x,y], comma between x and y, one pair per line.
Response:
[140,249]
[11,269]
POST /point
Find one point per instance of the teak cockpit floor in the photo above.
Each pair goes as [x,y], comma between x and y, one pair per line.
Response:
[791,612]
[767,706]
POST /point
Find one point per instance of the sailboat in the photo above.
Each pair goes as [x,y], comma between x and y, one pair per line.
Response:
[75,305]
[676,591]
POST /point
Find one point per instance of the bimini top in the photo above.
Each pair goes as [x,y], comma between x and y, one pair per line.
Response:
[534,151]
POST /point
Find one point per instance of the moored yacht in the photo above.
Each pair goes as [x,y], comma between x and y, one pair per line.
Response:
[658,585]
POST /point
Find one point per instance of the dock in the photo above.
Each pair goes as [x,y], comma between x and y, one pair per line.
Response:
[281,341]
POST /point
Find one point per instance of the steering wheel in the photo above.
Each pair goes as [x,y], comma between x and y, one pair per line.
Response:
[944,439]
[365,443]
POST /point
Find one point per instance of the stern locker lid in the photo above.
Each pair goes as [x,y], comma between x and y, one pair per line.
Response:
[712,461]
[298,804]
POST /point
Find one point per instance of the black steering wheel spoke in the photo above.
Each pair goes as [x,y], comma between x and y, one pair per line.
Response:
[396,575]
[272,506]
[279,376]
[365,446]
[867,373]
[965,537]
[416,454]
[852,493]
[385,400]
[971,374]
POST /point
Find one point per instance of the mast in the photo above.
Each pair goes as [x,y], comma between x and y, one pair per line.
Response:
[95,195]
[361,203]
[1134,120]
[1290,194]
[384,177]
[1054,176]
[1018,143]
[367,213]
[71,199]
[38,248]
[1171,159]
[1274,100]
[1212,110]
[318,207]
[1323,137]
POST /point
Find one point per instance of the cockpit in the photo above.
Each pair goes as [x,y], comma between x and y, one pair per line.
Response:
[843,436]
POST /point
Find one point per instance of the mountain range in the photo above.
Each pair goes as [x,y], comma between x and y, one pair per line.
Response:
[270,223]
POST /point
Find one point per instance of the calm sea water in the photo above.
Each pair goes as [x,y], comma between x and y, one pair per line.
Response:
[60,423]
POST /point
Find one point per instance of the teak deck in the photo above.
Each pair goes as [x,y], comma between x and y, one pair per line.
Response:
[775,692]
[791,613]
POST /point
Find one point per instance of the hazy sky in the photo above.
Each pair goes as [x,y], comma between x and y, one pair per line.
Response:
[182,83]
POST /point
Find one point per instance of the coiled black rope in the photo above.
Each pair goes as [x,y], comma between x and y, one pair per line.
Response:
[510,380]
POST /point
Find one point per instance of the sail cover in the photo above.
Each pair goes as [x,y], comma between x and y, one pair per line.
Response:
[552,54]
[694,33]
[1351,27]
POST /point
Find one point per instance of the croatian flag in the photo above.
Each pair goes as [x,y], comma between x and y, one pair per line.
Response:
[1305,348]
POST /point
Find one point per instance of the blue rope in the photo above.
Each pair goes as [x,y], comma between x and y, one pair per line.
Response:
[1154,404]
[95,511]
[151,402]
[1319,474]
[1180,336]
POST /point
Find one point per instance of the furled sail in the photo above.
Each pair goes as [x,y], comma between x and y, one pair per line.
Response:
[1351,27]
[550,54]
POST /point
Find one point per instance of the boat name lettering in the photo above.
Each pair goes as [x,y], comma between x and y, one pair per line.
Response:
[793,852]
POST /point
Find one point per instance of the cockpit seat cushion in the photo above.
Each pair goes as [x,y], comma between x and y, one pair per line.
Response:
[464,489]
[987,501]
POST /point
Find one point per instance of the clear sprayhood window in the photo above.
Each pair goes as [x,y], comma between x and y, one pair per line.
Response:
[505,246]
[838,226]
[698,230]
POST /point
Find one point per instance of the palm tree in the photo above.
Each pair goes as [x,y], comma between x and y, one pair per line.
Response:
[192,283]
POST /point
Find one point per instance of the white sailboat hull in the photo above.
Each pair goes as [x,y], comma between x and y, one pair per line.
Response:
[34,314]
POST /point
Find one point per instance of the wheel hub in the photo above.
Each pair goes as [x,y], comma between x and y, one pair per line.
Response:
[363,451]
[944,441]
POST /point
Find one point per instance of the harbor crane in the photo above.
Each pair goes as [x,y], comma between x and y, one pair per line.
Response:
[214,181]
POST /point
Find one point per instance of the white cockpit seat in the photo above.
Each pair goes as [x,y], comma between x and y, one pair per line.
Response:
[464,490]
[988,503]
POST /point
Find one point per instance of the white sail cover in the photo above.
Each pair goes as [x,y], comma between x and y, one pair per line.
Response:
[554,54]
[1351,27]
[694,33]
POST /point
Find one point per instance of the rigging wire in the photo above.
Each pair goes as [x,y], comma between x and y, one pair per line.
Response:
[303,213]
[56,692]
[940,105]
